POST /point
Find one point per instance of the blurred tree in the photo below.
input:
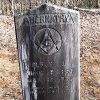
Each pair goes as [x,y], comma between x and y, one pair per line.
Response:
[8,6]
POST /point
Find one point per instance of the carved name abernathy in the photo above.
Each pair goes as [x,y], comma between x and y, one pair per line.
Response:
[48,19]
[48,48]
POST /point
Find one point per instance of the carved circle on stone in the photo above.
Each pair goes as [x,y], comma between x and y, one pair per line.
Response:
[47,41]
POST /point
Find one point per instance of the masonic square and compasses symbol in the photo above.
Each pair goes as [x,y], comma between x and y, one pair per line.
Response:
[47,41]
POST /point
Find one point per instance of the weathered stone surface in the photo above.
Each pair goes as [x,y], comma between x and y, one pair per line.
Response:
[48,46]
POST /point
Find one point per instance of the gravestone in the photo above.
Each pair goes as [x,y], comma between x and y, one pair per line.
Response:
[48,47]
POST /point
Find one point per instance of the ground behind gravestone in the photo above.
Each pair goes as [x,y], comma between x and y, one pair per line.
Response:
[90,58]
